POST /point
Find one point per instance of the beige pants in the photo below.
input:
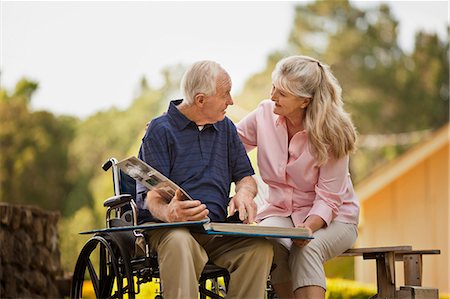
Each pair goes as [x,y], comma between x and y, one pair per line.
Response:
[304,266]
[182,257]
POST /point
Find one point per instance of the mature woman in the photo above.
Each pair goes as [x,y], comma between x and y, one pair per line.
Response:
[304,138]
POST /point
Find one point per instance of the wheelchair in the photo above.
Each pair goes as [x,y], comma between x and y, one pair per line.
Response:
[110,259]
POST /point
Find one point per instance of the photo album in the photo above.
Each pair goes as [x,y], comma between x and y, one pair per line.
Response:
[154,180]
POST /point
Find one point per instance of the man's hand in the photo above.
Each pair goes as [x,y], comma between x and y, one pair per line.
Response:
[243,201]
[178,209]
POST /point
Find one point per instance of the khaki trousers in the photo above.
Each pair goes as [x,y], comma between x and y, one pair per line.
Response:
[182,257]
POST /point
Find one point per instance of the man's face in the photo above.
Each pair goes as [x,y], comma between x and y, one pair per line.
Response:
[214,106]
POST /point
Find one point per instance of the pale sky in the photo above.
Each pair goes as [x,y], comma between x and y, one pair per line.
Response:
[88,56]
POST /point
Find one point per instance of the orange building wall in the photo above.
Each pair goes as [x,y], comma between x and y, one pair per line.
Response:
[411,210]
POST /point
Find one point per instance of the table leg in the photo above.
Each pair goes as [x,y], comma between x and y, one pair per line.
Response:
[412,265]
[385,262]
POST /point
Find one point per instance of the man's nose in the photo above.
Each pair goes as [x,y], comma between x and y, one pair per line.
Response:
[230,101]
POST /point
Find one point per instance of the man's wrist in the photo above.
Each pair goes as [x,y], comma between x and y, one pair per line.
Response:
[247,192]
[157,206]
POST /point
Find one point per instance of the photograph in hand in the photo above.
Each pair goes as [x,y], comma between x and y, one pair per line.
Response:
[150,178]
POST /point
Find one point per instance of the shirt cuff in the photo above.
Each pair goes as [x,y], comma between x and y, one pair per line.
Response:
[323,211]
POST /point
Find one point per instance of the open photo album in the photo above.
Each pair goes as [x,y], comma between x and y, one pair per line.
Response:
[154,180]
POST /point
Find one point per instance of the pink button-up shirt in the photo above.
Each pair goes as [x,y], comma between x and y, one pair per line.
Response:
[297,187]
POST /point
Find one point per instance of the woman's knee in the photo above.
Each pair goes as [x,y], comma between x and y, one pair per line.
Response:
[310,254]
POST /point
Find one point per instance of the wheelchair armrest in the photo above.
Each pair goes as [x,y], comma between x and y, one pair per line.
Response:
[117,200]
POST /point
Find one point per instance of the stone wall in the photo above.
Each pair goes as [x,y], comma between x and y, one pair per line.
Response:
[29,252]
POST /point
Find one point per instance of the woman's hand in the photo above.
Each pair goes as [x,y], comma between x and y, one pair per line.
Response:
[312,223]
[302,242]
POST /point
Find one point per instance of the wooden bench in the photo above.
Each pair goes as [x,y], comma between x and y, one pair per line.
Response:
[385,264]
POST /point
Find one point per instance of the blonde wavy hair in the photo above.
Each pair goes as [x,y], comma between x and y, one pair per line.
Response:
[329,128]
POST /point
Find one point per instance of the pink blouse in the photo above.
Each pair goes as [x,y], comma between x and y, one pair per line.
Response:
[297,187]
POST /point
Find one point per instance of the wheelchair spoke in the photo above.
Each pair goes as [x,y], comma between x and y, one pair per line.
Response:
[94,277]
[108,285]
[103,262]
[106,277]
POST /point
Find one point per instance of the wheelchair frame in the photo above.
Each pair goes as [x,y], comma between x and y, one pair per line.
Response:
[110,261]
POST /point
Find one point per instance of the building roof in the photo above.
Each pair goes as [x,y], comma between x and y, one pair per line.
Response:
[391,171]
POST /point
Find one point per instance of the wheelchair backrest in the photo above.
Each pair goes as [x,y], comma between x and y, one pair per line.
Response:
[125,210]
[124,184]
[127,184]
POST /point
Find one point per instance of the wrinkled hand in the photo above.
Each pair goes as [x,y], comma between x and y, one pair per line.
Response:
[179,209]
[246,207]
[302,242]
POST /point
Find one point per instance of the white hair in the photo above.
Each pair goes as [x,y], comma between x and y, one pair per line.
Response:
[200,77]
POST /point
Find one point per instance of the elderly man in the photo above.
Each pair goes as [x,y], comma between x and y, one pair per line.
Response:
[197,146]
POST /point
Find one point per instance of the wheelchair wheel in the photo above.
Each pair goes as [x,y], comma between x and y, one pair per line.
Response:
[104,265]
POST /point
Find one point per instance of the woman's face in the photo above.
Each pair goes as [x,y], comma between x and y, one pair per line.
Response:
[287,104]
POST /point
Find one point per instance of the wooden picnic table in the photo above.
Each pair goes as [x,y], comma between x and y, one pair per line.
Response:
[385,264]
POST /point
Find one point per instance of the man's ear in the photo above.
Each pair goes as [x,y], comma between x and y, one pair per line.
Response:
[199,99]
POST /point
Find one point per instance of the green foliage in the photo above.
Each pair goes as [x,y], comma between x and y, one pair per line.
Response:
[340,267]
[34,145]
[22,93]
[70,242]
[424,80]
[385,90]
[348,289]
[108,134]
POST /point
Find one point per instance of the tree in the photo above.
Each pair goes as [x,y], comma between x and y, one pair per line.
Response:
[362,49]
[381,84]
[385,89]
[112,133]
[34,146]
[424,84]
